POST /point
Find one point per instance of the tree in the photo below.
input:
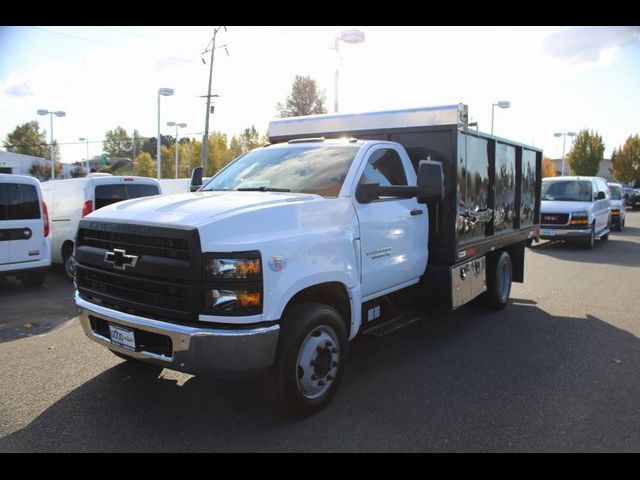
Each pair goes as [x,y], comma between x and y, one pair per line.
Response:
[626,163]
[305,99]
[27,139]
[149,144]
[548,168]
[42,171]
[117,143]
[77,172]
[586,154]
[144,166]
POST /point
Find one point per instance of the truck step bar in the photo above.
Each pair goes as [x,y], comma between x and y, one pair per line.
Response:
[392,325]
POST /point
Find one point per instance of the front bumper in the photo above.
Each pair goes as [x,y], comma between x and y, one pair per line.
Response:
[560,232]
[218,352]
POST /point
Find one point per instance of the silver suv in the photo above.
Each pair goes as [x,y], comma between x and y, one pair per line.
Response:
[575,209]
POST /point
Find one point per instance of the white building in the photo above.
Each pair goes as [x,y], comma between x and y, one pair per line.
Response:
[20,164]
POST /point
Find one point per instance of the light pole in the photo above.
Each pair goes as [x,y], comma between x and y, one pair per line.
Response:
[564,136]
[164,92]
[87,140]
[347,36]
[53,155]
[181,125]
[501,104]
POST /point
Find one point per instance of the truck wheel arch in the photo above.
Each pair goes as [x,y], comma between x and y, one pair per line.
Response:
[334,294]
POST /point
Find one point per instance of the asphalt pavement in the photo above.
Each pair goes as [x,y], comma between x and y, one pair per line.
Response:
[556,371]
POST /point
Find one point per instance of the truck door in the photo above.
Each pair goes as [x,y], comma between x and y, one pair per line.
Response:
[24,221]
[393,231]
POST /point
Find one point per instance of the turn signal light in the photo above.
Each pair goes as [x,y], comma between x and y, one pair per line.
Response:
[87,208]
[45,214]
[579,221]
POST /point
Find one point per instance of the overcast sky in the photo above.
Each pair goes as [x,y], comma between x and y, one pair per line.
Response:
[556,78]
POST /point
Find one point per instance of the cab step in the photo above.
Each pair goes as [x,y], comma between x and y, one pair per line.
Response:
[391,326]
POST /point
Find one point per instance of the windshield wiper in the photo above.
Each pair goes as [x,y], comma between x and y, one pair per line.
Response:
[263,189]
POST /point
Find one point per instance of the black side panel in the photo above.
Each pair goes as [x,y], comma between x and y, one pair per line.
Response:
[504,214]
[473,188]
[528,188]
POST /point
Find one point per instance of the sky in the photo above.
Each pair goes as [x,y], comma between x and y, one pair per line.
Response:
[558,79]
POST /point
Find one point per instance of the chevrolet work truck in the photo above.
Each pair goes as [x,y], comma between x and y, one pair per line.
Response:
[344,225]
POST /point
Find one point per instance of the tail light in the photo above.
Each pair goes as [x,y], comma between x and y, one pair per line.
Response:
[87,208]
[45,214]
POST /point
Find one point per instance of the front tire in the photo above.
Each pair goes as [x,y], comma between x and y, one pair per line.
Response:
[35,279]
[499,277]
[591,241]
[310,361]
[69,263]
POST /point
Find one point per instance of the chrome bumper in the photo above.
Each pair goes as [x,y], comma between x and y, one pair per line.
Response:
[219,352]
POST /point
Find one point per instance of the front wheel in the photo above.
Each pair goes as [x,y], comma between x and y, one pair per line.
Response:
[69,264]
[34,279]
[310,361]
[499,275]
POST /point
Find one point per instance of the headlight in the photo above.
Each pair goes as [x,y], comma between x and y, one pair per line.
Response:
[232,268]
[579,218]
[232,284]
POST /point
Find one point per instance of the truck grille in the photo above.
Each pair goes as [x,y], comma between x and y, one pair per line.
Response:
[164,282]
[135,244]
[554,218]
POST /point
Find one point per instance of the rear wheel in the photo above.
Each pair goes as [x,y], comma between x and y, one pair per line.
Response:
[34,279]
[69,263]
[310,360]
[499,275]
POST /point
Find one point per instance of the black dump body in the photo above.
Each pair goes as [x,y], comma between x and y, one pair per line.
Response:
[492,189]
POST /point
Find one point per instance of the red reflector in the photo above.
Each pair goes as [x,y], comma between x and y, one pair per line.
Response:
[45,214]
[87,208]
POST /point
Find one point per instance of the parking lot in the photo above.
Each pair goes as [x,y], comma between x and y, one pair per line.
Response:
[557,370]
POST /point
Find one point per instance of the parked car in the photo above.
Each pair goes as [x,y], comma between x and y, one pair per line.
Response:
[633,200]
[71,200]
[25,244]
[575,209]
[618,207]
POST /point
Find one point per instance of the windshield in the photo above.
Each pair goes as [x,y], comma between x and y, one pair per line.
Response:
[567,191]
[615,192]
[319,170]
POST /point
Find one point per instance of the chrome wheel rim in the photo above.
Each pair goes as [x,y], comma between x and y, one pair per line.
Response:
[318,362]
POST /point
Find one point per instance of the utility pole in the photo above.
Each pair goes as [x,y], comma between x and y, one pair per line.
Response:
[205,137]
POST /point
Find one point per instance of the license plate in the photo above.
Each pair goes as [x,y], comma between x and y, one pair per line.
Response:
[548,233]
[122,336]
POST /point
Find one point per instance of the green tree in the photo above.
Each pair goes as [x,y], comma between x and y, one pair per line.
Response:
[27,139]
[586,154]
[218,153]
[626,163]
[117,143]
[144,166]
[77,172]
[42,171]
[305,99]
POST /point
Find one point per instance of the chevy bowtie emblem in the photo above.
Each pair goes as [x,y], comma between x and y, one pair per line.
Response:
[120,259]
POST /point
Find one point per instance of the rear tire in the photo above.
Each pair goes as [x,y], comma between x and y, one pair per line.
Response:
[310,361]
[499,277]
[35,279]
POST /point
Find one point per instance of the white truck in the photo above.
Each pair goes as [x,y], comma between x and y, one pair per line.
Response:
[71,200]
[345,225]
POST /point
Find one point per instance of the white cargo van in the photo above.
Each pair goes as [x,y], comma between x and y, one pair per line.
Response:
[71,200]
[25,247]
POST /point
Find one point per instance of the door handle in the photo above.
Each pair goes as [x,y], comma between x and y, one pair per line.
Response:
[417,211]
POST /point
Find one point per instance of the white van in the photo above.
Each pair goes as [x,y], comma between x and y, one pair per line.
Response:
[71,200]
[178,185]
[25,245]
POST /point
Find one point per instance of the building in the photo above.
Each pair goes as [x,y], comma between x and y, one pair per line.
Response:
[605,171]
[20,164]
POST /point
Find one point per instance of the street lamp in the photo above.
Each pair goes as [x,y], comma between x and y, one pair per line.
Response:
[164,92]
[82,139]
[181,125]
[347,36]
[501,104]
[564,136]
[53,156]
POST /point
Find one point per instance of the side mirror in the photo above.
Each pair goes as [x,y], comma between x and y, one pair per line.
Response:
[600,196]
[196,179]
[430,181]
[367,192]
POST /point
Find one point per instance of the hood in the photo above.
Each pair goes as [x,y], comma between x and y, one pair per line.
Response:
[193,209]
[557,206]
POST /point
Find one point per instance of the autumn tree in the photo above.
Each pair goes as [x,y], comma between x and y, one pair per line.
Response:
[586,154]
[144,166]
[626,163]
[42,171]
[548,168]
[117,143]
[305,99]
